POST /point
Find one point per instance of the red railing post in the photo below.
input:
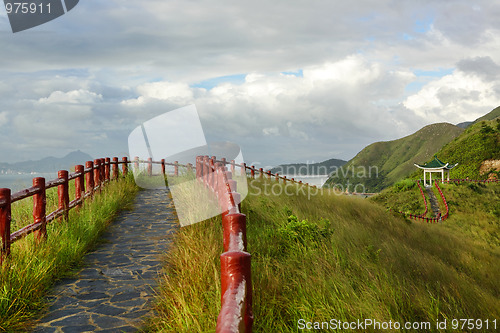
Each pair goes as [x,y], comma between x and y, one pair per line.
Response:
[211,176]
[39,208]
[150,166]
[206,169]
[176,168]
[97,173]
[107,170]
[261,173]
[235,272]
[125,166]
[284,180]
[136,164]
[63,193]
[198,169]
[89,177]
[116,173]
[268,174]
[232,166]
[79,182]
[277,177]
[103,170]
[163,166]
[252,172]
[243,169]
[5,219]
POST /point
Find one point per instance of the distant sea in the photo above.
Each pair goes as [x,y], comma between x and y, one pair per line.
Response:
[18,182]
[312,180]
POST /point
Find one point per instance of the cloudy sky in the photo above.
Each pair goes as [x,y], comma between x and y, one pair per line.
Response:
[287,80]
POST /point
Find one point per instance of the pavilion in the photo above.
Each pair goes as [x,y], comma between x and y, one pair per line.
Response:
[436,166]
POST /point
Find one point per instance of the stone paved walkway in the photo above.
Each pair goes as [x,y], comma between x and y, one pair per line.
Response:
[115,288]
[433,201]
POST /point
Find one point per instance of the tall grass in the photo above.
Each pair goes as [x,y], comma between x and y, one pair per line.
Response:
[331,257]
[33,266]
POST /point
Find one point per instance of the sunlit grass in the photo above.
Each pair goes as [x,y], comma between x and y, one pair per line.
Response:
[33,266]
[338,258]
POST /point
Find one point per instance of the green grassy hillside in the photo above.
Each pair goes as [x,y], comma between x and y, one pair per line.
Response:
[393,159]
[479,142]
[325,256]
[474,208]
[493,114]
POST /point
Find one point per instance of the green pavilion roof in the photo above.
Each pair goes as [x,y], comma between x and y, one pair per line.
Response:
[436,164]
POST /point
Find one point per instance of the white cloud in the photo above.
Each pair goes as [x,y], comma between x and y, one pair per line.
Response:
[455,98]
[3,118]
[71,97]
[108,66]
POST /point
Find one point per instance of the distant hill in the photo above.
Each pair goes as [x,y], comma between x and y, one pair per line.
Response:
[48,164]
[381,164]
[495,113]
[465,124]
[303,169]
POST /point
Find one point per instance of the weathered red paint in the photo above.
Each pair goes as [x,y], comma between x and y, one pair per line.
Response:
[97,172]
[89,177]
[125,166]
[235,274]
[79,182]
[103,170]
[116,173]
[136,164]
[163,166]
[150,166]
[5,220]
[39,208]
[176,168]
[107,170]
[63,193]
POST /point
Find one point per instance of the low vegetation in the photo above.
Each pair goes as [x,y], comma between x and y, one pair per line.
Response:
[33,266]
[332,257]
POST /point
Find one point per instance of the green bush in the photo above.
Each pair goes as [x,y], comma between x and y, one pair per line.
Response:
[303,232]
[404,185]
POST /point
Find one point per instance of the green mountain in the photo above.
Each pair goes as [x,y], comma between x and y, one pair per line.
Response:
[322,168]
[478,143]
[381,164]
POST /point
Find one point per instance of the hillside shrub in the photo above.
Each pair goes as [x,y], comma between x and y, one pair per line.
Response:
[404,185]
[303,232]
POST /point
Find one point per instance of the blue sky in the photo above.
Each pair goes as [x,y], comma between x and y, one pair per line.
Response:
[287,81]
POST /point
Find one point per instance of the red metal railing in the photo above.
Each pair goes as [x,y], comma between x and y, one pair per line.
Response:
[94,175]
[236,285]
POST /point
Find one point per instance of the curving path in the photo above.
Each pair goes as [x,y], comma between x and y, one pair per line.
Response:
[115,288]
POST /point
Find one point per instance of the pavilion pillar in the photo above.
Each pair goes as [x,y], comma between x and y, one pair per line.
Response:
[430,178]
[425,181]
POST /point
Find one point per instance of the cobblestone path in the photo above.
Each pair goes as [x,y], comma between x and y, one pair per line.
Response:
[433,201]
[115,288]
